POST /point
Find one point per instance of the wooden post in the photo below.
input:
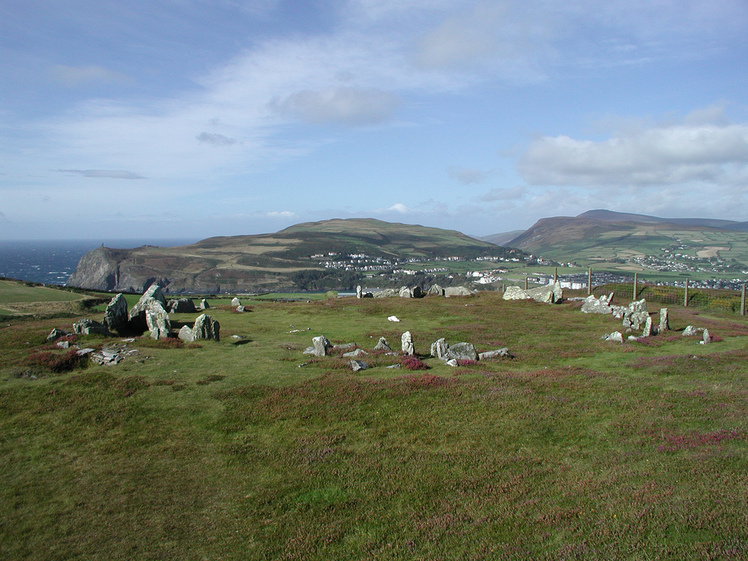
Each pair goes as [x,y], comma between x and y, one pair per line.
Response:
[742,301]
[636,280]
[555,275]
[526,281]
[589,281]
[685,296]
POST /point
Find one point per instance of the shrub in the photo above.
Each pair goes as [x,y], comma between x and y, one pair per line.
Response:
[55,361]
[412,362]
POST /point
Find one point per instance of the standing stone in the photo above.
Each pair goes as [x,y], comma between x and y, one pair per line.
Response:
[157,320]
[185,334]
[647,332]
[235,302]
[321,345]
[56,334]
[204,304]
[436,290]
[153,293]
[383,345]
[115,315]
[439,348]
[706,337]
[407,343]
[206,328]
[689,331]
[664,320]
[358,291]
[406,292]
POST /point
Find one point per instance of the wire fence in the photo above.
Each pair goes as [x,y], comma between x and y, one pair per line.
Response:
[729,296]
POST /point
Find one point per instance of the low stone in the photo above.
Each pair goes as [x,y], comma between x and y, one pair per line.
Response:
[357,365]
[356,353]
[594,305]
[689,331]
[393,318]
[115,315]
[181,306]
[451,362]
[235,302]
[462,351]
[88,326]
[616,337]
[321,345]
[498,353]
[387,293]
[206,328]
[383,345]
[515,293]
[345,347]
[63,344]
[56,334]
[457,291]
[406,341]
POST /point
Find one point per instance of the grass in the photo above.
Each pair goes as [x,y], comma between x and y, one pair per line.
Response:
[574,449]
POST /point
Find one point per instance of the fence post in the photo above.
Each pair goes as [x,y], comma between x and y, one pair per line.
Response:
[555,275]
[636,280]
[685,296]
[526,285]
[589,281]
[742,301]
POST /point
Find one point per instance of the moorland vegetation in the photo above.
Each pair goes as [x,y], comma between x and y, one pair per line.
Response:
[246,448]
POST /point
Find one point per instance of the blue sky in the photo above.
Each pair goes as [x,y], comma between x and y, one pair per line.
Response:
[194,118]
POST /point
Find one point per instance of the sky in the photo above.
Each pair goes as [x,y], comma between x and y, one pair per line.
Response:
[198,118]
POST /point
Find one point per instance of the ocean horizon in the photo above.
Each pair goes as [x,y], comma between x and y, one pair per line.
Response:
[53,261]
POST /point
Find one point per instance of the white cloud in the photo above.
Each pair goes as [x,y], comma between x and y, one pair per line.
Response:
[399,208]
[467,176]
[343,106]
[280,214]
[215,139]
[670,154]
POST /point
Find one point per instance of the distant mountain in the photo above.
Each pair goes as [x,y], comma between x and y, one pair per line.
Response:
[313,255]
[627,240]
[502,239]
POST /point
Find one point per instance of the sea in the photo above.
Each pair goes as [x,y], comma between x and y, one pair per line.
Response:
[53,261]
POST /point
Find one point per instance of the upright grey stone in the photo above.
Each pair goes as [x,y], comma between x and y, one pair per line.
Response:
[358,291]
[689,331]
[153,293]
[406,292]
[206,328]
[706,337]
[664,320]
[407,343]
[436,290]
[321,345]
[203,304]
[115,315]
[235,302]
[647,331]
[185,334]
[157,320]
[439,348]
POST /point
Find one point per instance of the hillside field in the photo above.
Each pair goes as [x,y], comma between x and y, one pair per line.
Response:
[248,449]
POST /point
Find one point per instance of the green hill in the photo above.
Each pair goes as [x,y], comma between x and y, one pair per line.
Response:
[279,261]
[638,242]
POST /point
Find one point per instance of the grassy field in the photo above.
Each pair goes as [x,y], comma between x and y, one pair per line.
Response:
[247,449]
[18,297]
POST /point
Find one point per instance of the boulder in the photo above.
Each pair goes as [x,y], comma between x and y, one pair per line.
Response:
[235,302]
[462,351]
[115,315]
[383,345]
[206,328]
[406,292]
[689,331]
[355,354]
[498,353]
[321,345]
[636,314]
[439,348]
[387,293]
[548,294]
[181,306]
[407,343]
